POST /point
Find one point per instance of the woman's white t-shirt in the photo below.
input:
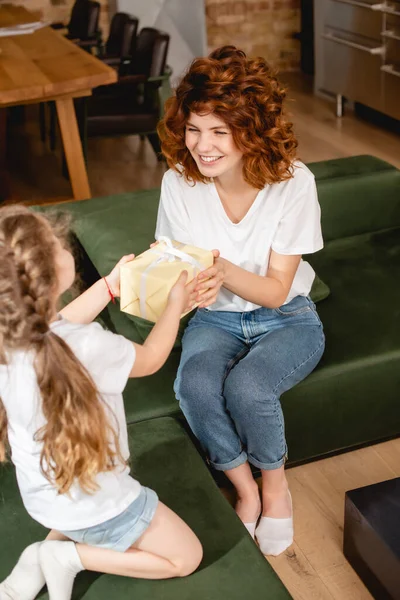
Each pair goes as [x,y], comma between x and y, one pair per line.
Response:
[109,359]
[284,217]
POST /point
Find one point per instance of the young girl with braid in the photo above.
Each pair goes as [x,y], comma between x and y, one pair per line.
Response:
[61,408]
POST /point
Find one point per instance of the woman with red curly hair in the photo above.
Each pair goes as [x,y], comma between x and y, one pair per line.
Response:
[235,186]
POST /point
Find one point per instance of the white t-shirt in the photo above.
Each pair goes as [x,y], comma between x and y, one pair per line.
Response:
[109,359]
[284,217]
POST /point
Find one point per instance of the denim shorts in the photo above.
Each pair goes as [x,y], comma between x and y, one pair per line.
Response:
[122,531]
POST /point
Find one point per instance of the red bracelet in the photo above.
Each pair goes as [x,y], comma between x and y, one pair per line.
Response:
[109,291]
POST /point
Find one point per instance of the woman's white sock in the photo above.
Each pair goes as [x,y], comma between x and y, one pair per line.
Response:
[60,564]
[274,536]
[26,579]
[251,528]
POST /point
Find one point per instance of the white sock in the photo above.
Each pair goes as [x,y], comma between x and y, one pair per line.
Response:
[60,564]
[26,579]
[251,528]
[274,536]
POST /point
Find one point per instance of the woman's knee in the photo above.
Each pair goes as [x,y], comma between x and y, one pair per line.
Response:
[243,387]
[197,379]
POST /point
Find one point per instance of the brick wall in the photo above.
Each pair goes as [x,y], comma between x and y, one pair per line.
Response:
[259,27]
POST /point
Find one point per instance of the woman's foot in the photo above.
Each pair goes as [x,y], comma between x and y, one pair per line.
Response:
[275,530]
[248,508]
[277,505]
[248,504]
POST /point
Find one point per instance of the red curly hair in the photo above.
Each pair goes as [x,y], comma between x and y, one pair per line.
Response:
[246,95]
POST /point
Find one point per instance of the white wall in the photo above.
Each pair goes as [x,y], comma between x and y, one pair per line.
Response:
[184,20]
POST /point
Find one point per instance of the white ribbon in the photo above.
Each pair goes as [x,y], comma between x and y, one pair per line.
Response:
[170,253]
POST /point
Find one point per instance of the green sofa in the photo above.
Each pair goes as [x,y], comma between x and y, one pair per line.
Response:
[164,458]
[351,399]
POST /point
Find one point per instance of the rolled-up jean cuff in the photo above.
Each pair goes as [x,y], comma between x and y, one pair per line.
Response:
[266,466]
[240,460]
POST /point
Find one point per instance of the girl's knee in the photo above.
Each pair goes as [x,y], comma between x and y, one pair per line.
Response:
[190,562]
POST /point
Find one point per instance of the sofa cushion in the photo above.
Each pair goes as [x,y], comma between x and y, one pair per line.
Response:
[358,194]
[163,458]
[352,397]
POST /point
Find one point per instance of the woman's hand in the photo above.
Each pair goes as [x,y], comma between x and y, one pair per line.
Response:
[211,281]
[113,277]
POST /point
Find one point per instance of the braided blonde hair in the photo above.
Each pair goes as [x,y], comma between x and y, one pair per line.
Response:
[77,440]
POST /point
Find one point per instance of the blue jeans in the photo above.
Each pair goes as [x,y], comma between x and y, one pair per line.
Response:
[233,370]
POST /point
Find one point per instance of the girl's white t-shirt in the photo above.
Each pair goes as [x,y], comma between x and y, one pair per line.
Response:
[284,217]
[109,359]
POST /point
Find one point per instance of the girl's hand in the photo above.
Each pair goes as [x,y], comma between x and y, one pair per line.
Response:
[113,277]
[183,294]
[211,280]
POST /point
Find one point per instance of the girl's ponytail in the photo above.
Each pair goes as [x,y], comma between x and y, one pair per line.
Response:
[78,441]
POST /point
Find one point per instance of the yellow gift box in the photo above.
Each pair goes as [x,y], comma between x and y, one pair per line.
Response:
[146,281]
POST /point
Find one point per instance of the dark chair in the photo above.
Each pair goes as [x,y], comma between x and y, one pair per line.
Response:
[150,54]
[83,30]
[121,39]
[116,55]
[134,104]
[83,27]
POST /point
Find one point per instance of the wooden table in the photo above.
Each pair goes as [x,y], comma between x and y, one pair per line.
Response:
[46,66]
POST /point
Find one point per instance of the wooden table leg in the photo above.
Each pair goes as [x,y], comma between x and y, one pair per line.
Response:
[73,148]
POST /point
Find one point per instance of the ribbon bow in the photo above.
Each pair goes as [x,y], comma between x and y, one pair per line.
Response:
[170,253]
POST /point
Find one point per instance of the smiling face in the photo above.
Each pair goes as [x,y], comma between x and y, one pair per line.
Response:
[210,142]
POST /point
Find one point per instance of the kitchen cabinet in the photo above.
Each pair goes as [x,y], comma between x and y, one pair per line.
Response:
[357,46]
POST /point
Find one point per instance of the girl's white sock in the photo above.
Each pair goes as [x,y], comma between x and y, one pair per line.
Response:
[60,564]
[26,579]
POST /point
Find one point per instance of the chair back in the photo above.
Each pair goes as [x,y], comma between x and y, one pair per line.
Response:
[84,20]
[150,54]
[93,19]
[78,18]
[160,52]
[128,48]
[116,35]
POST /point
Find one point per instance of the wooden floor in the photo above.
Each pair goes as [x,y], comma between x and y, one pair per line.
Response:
[126,164]
[322,135]
[314,568]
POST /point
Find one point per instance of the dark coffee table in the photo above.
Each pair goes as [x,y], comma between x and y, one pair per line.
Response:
[371,541]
